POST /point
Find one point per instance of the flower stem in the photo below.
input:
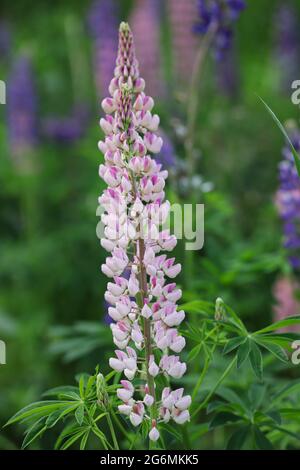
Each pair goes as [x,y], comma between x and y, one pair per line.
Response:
[112,431]
[147,325]
[223,376]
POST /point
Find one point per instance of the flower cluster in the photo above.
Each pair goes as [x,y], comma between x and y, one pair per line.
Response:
[288,200]
[143,305]
[219,14]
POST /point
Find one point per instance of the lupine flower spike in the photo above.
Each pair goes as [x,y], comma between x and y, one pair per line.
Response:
[143,306]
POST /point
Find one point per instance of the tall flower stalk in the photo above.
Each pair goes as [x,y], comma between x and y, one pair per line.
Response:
[143,306]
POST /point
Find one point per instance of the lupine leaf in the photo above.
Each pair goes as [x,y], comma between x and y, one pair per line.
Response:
[243,353]
[256,360]
[289,321]
[284,132]
[233,344]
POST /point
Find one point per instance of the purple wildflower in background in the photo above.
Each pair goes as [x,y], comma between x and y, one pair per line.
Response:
[67,130]
[103,24]
[220,14]
[166,157]
[22,108]
[227,76]
[288,201]
[145,27]
[182,16]
[287,46]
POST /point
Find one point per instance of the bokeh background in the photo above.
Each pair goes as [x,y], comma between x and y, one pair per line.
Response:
[57,59]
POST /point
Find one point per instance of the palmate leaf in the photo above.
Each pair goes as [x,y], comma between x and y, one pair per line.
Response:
[284,132]
[274,349]
[238,438]
[37,410]
[33,432]
[289,321]
[243,353]
[261,441]
[223,418]
[233,344]
[256,360]
[286,391]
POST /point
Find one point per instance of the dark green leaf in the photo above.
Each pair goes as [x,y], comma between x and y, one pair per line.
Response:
[223,418]
[237,439]
[261,441]
[79,414]
[233,344]
[256,360]
[243,353]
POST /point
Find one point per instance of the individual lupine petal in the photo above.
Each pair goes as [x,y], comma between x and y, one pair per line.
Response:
[152,142]
[133,285]
[146,311]
[153,367]
[170,269]
[154,434]
[167,398]
[174,318]
[109,105]
[183,403]
[125,409]
[181,417]
[136,333]
[148,400]
[126,392]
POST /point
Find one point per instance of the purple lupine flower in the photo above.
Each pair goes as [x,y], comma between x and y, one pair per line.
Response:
[182,16]
[227,75]
[144,307]
[22,108]
[287,45]
[220,14]
[288,201]
[144,22]
[67,130]
[166,157]
[103,24]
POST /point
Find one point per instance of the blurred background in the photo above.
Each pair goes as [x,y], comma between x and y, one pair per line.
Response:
[57,59]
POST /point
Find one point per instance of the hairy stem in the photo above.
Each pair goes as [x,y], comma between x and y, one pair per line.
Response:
[147,324]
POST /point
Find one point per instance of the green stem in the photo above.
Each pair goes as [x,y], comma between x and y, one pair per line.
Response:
[112,431]
[121,428]
[207,362]
[223,376]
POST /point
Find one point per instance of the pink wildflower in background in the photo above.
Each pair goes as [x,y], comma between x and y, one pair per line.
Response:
[145,26]
[182,15]
[287,304]
[144,306]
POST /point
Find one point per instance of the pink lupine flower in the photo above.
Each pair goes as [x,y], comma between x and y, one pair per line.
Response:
[287,303]
[145,27]
[143,306]
[182,15]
